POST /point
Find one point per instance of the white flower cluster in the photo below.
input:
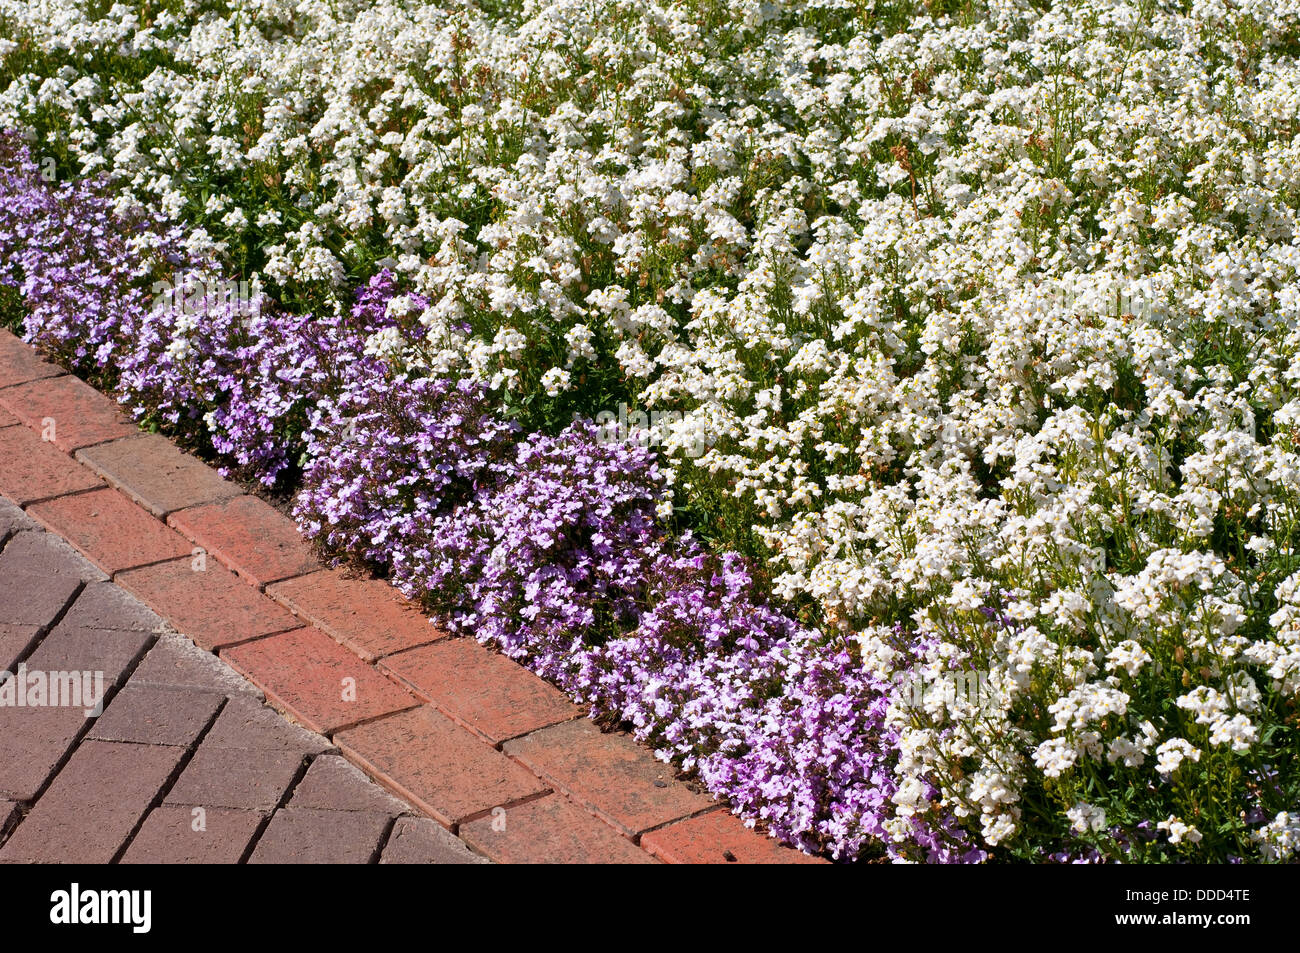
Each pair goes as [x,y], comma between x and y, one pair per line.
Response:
[990,311]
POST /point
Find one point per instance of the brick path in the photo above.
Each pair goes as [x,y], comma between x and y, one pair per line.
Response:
[488,760]
[185,764]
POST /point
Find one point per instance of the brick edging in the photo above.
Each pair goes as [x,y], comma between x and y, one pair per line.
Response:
[466,735]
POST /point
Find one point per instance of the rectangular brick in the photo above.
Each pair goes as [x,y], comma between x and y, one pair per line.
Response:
[306,836]
[33,598]
[550,830]
[94,804]
[248,536]
[73,649]
[176,662]
[483,690]
[157,716]
[367,615]
[247,724]
[609,774]
[32,470]
[428,759]
[102,605]
[335,784]
[179,834]
[7,419]
[211,606]
[422,840]
[67,411]
[320,683]
[154,473]
[47,554]
[33,742]
[719,838]
[249,779]
[19,363]
[110,530]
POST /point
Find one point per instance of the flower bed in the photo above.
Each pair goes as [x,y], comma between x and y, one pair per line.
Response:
[970,332]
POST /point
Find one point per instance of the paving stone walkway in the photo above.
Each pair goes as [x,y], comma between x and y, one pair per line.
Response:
[480,752]
[184,763]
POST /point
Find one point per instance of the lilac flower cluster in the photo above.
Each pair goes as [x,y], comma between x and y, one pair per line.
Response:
[247,376]
[548,554]
[84,285]
[390,453]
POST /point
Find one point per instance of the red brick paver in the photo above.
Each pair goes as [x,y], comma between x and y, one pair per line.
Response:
[718,838]
[208,604]
[367,615]
[317,681]
[67,412]
[550,830]
[437,765]
[32,470]
[19,363]
[153,473]
[483,690]
[250,537]
[608,773]
[110,530]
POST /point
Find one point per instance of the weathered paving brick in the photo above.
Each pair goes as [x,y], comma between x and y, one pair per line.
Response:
[67,412]
[211,606]
[249,536]
[367,615]
[247,724]
[157,716]
[334,784]
[102,605]
[94,804]
[550,830]
[33,741]
[420,840]
[181,834]
[12,519]
[176,662]
[481,689]
[32,470]
[19,363]
[307,836]
[718,838]
[320,683]
[448,772]
[610,774]
[15,642]
[111,651]
[110,530]
[253,779]
[33,598]
[48,555]
[154,473]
